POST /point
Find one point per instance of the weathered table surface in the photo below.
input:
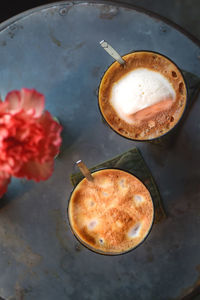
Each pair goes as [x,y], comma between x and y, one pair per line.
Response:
[55,49]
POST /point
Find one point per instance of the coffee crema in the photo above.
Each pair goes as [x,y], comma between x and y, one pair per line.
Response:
[144,98]
[113,214]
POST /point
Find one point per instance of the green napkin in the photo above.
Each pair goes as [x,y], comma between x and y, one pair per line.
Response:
[133,162]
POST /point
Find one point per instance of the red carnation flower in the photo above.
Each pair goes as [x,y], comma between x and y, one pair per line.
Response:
[29,138]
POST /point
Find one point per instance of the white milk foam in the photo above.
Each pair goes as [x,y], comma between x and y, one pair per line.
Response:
[140,89]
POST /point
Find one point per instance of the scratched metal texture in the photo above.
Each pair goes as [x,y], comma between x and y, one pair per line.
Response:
[55,49]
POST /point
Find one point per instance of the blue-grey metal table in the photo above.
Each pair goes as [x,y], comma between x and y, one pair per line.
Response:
[55,49]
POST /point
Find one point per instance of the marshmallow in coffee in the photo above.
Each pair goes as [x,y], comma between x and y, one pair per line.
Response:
[144,98]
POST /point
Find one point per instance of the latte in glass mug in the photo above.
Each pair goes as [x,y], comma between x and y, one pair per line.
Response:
[144,98]
[113,214]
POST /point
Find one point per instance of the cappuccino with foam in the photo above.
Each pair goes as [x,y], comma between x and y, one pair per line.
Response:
[113,214]
[144,98]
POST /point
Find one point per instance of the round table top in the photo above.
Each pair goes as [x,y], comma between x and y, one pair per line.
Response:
[55,49]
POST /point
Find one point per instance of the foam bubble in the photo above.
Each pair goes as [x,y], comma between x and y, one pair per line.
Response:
[123,187]
[105,194]
[122,183]
[90,201]
[92,224]
[134,231]
[101,241]
[140,89]
[138,199]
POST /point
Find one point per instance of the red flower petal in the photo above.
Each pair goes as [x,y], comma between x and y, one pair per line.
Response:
[4,181]
[13,102]
[3,107]
[52,131]
[36,171]
[28,100]
[32,100]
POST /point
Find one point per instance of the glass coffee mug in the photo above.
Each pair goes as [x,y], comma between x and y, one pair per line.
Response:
[144,98]
[113,214]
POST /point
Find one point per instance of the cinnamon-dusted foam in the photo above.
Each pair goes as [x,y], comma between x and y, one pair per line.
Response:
[144,98]
[113,214]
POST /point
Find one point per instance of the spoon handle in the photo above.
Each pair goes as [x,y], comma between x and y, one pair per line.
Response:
[84,170]
[112,52]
